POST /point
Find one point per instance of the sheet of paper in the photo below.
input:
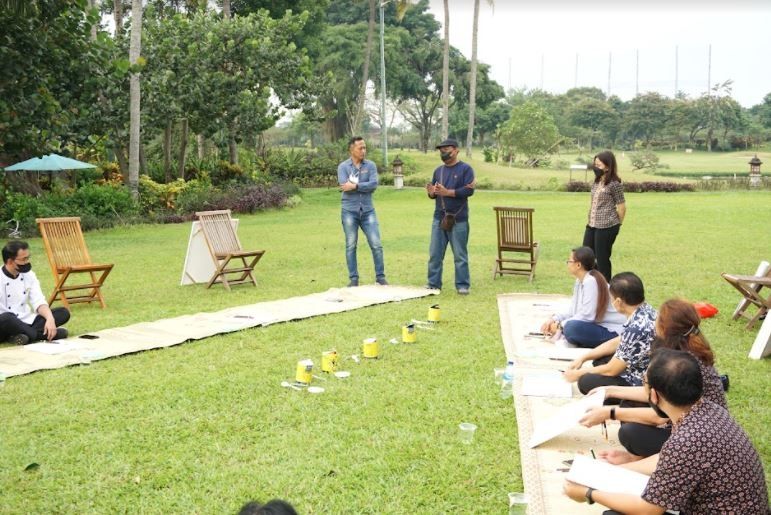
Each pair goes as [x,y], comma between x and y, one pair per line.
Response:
[53,347]
[546,384]
[605,477]
[564,418]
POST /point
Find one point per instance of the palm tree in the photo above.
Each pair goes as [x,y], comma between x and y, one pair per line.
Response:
[473,80]
[446,72]
[359,113]
[135,49]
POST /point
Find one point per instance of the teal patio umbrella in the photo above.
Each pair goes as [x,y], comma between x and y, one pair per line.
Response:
[49,163]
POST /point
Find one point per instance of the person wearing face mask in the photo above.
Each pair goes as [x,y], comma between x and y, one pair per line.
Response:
[707,466]
[25,316]
[643,430]
[450,187]
[607,211]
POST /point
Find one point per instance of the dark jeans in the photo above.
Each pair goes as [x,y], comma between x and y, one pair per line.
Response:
[601,242]
[586,334]
[10,325]
[641,439]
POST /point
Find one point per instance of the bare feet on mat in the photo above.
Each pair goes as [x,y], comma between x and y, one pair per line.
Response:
[618,457]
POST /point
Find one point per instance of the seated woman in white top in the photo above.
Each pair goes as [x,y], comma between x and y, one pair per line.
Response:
[591,319]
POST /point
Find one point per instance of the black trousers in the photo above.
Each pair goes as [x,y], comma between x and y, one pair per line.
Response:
[11,325]
[642,440]
[601,242]
[588,382]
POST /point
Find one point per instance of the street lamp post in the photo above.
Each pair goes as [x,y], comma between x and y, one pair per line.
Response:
[383,124]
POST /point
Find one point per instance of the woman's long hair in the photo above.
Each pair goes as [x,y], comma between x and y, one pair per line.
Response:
[608,159]
[585,256]
[678,323]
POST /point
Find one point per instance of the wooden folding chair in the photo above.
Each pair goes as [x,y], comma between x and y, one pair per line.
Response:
[750,287]
[69,258]
[225,247]
[515,235]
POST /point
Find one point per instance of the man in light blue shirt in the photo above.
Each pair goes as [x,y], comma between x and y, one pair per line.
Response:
[358,179]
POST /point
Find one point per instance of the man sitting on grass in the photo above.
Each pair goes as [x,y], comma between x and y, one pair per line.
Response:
[708,464]
[24,313]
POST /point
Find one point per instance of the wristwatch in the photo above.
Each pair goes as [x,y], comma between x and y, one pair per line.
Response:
[589,492]
[613,413]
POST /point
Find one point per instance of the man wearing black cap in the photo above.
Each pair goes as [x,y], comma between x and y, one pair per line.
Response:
[451,186]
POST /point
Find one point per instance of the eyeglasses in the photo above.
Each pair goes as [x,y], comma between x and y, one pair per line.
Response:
[21,261]
[570,261]
[645,381]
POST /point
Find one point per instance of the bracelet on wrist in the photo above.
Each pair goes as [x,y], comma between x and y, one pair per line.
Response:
[589,492]
[613,413]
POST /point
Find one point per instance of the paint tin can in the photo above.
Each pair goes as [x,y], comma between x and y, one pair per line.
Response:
[409,335]
[434,313]
[369,348]
[304,371]
[329,361]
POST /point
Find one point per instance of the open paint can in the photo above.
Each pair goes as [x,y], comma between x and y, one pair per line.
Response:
[304,372]
[433,313]
[329,361]
[409,335]
[369,348]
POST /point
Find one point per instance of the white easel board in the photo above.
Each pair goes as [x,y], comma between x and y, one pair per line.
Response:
[762,346]
[199,264]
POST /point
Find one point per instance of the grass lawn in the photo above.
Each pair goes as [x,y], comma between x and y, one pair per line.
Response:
[203,427]
[688,167]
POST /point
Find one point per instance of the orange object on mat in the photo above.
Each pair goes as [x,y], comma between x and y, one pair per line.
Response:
[705,309]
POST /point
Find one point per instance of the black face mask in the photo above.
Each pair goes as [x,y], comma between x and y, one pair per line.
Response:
[656,408]
[445,156]
[24,268]
[597,172]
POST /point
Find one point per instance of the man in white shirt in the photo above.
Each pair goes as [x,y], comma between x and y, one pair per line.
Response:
[25,316]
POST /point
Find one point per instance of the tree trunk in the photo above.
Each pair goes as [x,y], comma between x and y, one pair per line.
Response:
[446,73]
[225,9]
[358,115]
[232,147]
[135,49]
[472,100]
[182,147]
[120,156]
[95,26]
[201,144]
[142,158]
[117,13]
[167,151]
[709,139]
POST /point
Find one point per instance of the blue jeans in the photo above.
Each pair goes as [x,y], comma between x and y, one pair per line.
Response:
[458,240]
[586,334]
[368,223]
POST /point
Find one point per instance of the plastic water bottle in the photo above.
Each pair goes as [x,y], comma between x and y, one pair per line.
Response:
[507,381]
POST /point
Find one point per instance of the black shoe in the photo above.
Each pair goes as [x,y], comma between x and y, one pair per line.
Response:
[19,339]
[354,282]
[61,333]
[382,282]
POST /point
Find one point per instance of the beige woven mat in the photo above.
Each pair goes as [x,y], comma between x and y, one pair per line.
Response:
[16,361]
[541,474]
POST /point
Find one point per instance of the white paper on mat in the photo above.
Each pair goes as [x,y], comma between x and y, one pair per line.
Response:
[53,348]
[546,384]
[603,476]
[564,418]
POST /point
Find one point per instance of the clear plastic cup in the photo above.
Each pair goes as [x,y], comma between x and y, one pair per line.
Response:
[498,373]
[467,430]
[517,503]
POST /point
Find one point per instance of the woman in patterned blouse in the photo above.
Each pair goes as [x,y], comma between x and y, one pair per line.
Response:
[607,211]
[642,432]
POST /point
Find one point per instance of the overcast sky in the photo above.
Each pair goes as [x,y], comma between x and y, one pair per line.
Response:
[534,43]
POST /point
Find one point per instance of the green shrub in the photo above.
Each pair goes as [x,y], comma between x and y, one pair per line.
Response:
[644,159]
[104,201]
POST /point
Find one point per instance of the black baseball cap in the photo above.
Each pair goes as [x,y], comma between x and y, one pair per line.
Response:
[449,142]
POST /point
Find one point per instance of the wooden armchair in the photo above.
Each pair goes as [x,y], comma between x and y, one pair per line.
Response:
[515,236]
[69,259]
[750,287]
[225,247]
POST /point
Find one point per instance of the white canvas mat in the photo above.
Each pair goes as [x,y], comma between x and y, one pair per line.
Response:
[18,360]
[543,470]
